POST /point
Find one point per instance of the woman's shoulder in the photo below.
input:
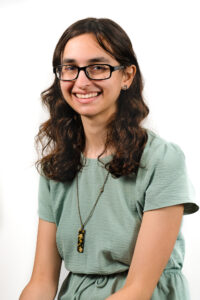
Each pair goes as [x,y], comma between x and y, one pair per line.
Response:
[159,149]
[163,176]
[156,142]
[52,185]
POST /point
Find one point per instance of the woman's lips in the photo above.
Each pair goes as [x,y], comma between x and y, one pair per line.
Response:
[86,98]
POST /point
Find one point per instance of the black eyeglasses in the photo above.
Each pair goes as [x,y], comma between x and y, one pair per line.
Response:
[94,72]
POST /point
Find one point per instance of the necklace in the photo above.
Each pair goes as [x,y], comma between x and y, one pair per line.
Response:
[81,232]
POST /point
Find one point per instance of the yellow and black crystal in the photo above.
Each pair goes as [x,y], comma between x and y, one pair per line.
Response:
[81,235]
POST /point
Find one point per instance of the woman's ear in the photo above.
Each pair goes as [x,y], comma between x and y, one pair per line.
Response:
[128,76]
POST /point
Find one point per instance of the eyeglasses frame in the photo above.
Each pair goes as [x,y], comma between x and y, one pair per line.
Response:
[112,69]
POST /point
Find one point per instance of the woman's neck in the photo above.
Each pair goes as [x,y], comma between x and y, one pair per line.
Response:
[95,138]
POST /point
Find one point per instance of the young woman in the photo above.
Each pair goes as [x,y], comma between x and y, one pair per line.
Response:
[112,193]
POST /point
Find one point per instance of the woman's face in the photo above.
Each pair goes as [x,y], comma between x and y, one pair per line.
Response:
[99,96]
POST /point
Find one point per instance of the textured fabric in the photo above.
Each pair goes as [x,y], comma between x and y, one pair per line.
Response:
[112,231]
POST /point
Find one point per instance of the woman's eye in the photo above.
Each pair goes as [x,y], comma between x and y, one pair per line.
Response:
[99,67]
[69,68]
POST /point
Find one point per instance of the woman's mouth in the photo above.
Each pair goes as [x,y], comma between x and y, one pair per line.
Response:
[86,98]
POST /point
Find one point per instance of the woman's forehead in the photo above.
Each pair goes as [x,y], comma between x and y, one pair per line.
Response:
[85,47]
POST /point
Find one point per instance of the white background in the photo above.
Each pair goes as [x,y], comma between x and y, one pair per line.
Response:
[165,37]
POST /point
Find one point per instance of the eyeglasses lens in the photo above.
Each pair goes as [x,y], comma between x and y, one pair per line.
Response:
[67,72]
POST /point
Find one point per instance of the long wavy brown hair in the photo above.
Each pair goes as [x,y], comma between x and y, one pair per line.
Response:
[61,138]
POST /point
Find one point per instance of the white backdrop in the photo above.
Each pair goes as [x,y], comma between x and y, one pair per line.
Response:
[165,36]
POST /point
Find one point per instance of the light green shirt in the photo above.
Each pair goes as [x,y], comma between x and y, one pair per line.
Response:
[112,231]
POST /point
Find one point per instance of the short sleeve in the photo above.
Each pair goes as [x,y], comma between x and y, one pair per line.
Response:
[45,210]
[168,182]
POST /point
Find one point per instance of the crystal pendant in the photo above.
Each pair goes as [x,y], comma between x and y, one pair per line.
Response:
[80,246]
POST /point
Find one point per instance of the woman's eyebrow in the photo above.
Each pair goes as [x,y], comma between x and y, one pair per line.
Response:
[92,60]
[98,59]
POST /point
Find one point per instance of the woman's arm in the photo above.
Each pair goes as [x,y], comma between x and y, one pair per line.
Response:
[155,242]
[46,271]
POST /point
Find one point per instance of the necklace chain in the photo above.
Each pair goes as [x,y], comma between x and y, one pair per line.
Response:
[93,208]
[81,234]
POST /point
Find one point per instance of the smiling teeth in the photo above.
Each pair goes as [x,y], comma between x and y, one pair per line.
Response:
[85,96]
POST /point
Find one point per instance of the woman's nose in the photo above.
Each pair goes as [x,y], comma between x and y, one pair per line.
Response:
[82,79]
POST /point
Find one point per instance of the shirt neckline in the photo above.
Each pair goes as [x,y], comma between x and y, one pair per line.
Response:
[104,159]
